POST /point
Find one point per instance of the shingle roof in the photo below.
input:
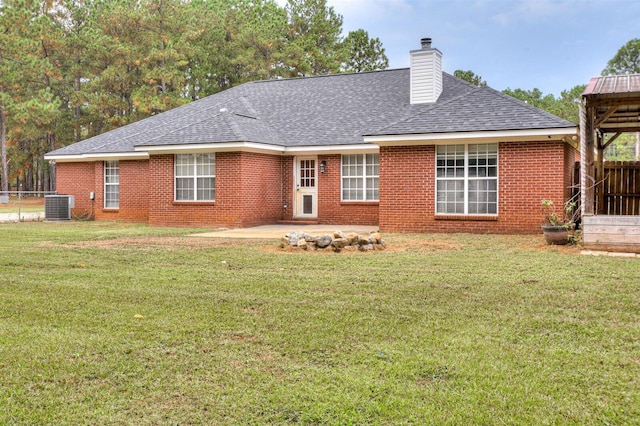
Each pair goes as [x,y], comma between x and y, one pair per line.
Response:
[479,109]
[322,111]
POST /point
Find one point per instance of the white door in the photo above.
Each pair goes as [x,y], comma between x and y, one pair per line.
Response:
[306,190]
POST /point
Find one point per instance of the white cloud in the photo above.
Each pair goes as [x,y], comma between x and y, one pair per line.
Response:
[366,13]
[370,8]
[533,10]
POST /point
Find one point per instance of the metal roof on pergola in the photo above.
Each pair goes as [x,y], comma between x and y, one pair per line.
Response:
[610,107]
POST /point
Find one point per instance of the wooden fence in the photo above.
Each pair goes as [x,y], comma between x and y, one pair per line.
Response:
[619,193]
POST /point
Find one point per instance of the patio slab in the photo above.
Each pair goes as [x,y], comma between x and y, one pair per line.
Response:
[21,217]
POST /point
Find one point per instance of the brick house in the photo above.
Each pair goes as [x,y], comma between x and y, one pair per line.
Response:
[407,149]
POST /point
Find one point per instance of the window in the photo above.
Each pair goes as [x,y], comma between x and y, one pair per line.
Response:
[467,179]
[360,176]
[111,184]
[195,177]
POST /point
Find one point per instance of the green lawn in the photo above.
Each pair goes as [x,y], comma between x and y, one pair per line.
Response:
[23,205]
[123,324]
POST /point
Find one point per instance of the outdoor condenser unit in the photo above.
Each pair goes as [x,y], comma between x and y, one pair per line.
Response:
[58,207]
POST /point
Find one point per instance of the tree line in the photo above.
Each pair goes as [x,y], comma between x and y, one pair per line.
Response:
[625,61]
[72,69]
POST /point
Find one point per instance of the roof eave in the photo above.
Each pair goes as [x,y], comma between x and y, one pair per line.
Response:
[332,149]
[99,156]
[258,148]
[212,147]
[566,134]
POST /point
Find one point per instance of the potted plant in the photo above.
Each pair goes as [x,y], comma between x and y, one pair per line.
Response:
[557,227]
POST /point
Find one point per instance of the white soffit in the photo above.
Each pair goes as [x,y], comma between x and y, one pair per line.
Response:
[257,148]
[211,147]
[497,136]
[333,149]
[121,156]
[143,152]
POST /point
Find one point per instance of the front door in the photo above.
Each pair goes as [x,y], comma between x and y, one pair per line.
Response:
[306,189]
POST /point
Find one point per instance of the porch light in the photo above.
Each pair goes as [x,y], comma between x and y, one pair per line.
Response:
[323,166]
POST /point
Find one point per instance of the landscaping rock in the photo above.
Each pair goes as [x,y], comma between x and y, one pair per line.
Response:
[306,237]
[324,241]
[293,238]
[352,238]
[338,241]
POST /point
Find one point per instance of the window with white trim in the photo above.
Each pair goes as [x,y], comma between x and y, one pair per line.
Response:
[195,177]
[360,177]
[467,179]
[111,184]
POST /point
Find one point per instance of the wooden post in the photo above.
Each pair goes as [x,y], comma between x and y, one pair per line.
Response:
[587,151]
[599,174]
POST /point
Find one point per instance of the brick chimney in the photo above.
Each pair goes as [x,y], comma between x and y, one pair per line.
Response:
[426,73]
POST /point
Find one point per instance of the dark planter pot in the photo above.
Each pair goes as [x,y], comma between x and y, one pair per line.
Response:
[556,234]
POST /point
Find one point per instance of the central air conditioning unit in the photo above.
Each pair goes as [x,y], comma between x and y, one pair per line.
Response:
[58,207]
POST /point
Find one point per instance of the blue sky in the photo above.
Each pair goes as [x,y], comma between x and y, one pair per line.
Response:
[552,45]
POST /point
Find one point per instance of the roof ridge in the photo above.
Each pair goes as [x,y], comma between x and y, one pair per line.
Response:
[309,77]
[247,104]
[176,129]
[235,128]
[151,117]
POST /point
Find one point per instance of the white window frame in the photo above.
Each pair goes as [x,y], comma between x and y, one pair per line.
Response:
[364,177]
[111,184]
[466,179]
[193,176]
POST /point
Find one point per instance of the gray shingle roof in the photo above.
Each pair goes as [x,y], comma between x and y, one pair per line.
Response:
[322,111]
[480,109]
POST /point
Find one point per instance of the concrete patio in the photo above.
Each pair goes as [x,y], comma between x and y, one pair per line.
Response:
[21,217]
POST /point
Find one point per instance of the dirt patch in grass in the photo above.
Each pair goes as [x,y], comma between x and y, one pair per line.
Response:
[165,242]
[394,243]
[25,201]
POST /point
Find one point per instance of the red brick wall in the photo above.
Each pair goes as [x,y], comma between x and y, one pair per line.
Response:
[77,179]
[287,187]
[80,179]
[528,173]
[331,210]
[134,192]
[407,188]
[234,207]
[261,200]
[252,189]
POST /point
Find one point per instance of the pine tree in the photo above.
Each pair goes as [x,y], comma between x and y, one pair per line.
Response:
[363,53]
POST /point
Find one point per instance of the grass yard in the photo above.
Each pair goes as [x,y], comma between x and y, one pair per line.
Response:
[106,323]
[23,205]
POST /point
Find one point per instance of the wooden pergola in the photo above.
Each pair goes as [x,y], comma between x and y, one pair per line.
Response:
[610,107]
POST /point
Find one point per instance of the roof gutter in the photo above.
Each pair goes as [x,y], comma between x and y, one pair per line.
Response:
[97,157]
[566,134]
[144,152]
[255,148]
[211,147]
